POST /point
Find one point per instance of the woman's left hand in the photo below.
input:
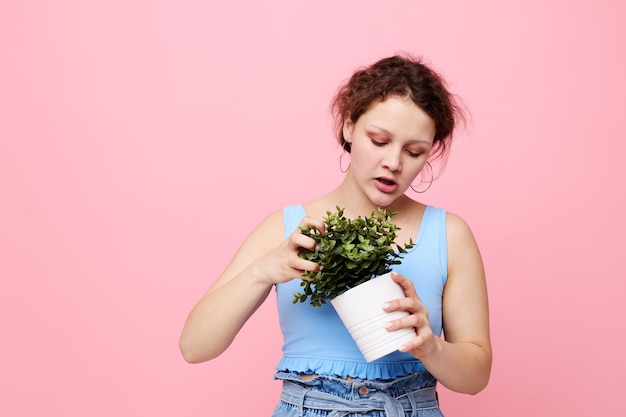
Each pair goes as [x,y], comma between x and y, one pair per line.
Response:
[425,343]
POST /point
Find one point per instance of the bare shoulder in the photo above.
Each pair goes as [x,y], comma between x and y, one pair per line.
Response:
[462,246]
[268,234]
[457,228]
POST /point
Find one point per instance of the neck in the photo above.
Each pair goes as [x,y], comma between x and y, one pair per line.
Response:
[356,203]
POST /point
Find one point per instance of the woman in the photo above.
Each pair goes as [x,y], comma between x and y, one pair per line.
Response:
[392,118]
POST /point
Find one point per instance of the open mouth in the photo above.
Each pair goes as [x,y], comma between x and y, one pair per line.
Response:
[386,181]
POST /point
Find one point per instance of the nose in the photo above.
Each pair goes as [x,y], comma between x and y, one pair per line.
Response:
[392,160]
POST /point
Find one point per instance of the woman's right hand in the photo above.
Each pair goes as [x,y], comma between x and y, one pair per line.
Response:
[216,319]
[284,263]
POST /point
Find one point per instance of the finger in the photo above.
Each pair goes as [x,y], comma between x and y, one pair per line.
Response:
[298,240]
[414,344]
[402,323]
[410,304]
[419,344]
[418,313]
[302,266]
[313,223]
[406,284]
[416,320]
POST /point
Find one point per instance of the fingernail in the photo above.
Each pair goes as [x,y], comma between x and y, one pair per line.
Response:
[386,306]
[402,348]
[388,325]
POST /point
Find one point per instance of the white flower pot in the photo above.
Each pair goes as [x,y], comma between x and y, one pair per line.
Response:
[361,310]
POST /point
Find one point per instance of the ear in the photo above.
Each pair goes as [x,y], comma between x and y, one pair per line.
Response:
[348,127]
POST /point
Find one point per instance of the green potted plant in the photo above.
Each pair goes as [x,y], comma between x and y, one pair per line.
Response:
[357,256]
[351,252]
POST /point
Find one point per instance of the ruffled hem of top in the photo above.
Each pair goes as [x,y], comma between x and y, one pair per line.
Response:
[344,369]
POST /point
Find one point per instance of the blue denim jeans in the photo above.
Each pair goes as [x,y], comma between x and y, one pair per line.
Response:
[324,396]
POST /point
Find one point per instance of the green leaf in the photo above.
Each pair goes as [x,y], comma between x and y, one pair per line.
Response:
[351,251]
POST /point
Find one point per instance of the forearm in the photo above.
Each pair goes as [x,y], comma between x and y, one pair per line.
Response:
[462,367]
[220,314]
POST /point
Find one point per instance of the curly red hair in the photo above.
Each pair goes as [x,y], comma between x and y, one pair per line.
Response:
[402,76]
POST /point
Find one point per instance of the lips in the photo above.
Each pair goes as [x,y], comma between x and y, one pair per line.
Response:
[386,185]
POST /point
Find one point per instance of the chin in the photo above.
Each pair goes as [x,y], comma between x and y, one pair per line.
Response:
[383,202]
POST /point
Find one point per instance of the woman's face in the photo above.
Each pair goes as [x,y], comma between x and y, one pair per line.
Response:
[390,144]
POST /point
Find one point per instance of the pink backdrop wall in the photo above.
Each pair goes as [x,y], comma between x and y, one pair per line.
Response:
[140,141]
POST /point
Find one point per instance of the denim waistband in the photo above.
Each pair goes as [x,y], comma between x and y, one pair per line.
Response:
[364,399]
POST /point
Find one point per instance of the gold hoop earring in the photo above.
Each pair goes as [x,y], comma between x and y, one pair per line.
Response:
[432,178]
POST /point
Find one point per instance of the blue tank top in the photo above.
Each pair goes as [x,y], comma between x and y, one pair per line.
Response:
[315,339]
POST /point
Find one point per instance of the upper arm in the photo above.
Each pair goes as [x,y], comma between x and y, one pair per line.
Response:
[465,305]
[263,239]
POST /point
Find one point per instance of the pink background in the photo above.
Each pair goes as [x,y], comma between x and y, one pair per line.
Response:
[140,141]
